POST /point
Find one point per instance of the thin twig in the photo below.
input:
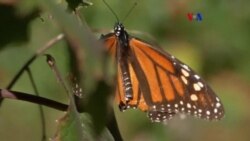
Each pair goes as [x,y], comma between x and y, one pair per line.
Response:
[49,44]
[39,106]
[113,127]
[38,53]
[52,63]
[27,64]
[4,93]
[26,67]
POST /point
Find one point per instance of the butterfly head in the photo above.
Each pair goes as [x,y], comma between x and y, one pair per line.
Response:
[119,29]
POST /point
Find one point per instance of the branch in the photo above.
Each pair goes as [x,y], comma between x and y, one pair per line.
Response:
[38,53]
[4,93]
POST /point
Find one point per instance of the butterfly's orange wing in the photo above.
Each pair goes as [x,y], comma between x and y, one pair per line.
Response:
[172,86]
[163,85]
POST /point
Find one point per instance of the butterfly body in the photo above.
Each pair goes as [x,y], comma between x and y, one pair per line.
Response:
[156,82]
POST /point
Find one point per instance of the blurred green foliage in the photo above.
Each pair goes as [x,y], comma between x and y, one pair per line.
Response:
[217,48]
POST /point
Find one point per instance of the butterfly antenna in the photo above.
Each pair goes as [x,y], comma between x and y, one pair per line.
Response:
[130,10]
[113,12]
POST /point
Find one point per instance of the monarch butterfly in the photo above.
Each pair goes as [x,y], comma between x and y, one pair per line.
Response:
[156,82]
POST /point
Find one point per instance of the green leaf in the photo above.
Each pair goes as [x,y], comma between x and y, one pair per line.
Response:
[74,126]
[79,36]
[74,4]
[14,27]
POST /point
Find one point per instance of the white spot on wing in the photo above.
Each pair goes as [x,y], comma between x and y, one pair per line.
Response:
[197,76]
[186,67]
[193,97]
[217,99]
[200,84]
[199,110]
[218,104]
[208,112]
[184,80]
[194,106]
[153,106]
[215,110]
[196,87]
[181,102]
[176,105]
[184,72]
